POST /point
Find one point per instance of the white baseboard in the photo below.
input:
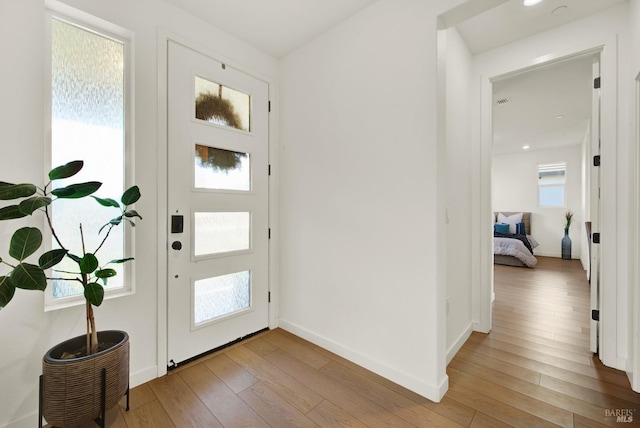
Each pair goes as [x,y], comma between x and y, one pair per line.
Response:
[455,347]
[429,391]
[143,376]
[547,254]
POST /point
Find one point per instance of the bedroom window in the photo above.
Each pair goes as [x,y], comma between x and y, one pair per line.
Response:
[551,181]
[89,121]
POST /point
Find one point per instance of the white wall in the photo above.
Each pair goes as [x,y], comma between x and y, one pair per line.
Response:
[458,250]
[27,331]
[361,212]
[607,29]
[515,188]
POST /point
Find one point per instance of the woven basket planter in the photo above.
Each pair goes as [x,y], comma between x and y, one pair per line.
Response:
[72,389]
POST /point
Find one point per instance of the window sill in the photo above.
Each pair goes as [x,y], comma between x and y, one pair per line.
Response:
[70,302]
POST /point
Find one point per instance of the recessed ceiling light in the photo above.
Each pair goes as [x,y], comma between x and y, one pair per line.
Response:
[526,147]
[531,2]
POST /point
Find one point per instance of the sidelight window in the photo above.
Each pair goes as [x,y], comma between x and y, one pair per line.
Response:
[89,121]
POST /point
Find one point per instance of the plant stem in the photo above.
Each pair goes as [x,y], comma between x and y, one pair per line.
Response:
[93,337]
[53,231]
[87,310]
[92,334]
[84,252]
[70,273]
[104,240]
[65,279]
[8,264]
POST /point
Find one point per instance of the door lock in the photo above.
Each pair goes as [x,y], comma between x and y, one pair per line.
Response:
[177,224]
[176,245]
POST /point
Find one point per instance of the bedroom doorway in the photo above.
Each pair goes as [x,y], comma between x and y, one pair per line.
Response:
[546,137]
[460,64]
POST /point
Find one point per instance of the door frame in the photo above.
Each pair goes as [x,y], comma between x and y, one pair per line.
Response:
[607,46]
[163,38]
[635,283]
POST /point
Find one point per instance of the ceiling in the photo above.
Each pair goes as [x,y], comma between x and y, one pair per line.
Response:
[545,108]
[513,21]
[537,98]
[276,27]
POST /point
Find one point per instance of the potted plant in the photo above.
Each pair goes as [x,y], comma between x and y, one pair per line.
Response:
[83,376]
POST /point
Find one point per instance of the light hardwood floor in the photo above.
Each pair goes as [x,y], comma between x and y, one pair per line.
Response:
[533,370]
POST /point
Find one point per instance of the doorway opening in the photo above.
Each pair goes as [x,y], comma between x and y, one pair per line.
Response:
[483,70]
[545,128]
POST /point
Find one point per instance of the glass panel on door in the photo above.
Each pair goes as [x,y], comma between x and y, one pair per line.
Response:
[221,169]
[221,105]
[221,296]
[221,232]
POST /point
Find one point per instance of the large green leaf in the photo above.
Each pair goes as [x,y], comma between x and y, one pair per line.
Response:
[29,206]
[24,242]
[113,222]
[106,273]
[88,263]
[94,293]
[131,195]
[66,171]
[132,213]
[15,191]
[76,191]
[107,202]
[120,261]
[51,258]
[28,277]
[7,290]
[11,212]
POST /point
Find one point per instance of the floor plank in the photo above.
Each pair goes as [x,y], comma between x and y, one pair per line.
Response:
[349,400]
[225,405]
[275,410]
[181,404]
[393,402]
[296,393]
[151,414]
[231,373]
[327,414]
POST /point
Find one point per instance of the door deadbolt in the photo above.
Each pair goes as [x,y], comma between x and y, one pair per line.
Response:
[176,245]
[177,224]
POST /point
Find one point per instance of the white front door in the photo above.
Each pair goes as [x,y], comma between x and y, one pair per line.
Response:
[218,204]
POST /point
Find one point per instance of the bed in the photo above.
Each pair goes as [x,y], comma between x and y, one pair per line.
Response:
[513,245]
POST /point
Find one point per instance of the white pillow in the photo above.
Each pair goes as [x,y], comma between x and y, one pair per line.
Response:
[511,220]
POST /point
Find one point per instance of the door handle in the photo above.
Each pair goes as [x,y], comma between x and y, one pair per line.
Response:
[176,245]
